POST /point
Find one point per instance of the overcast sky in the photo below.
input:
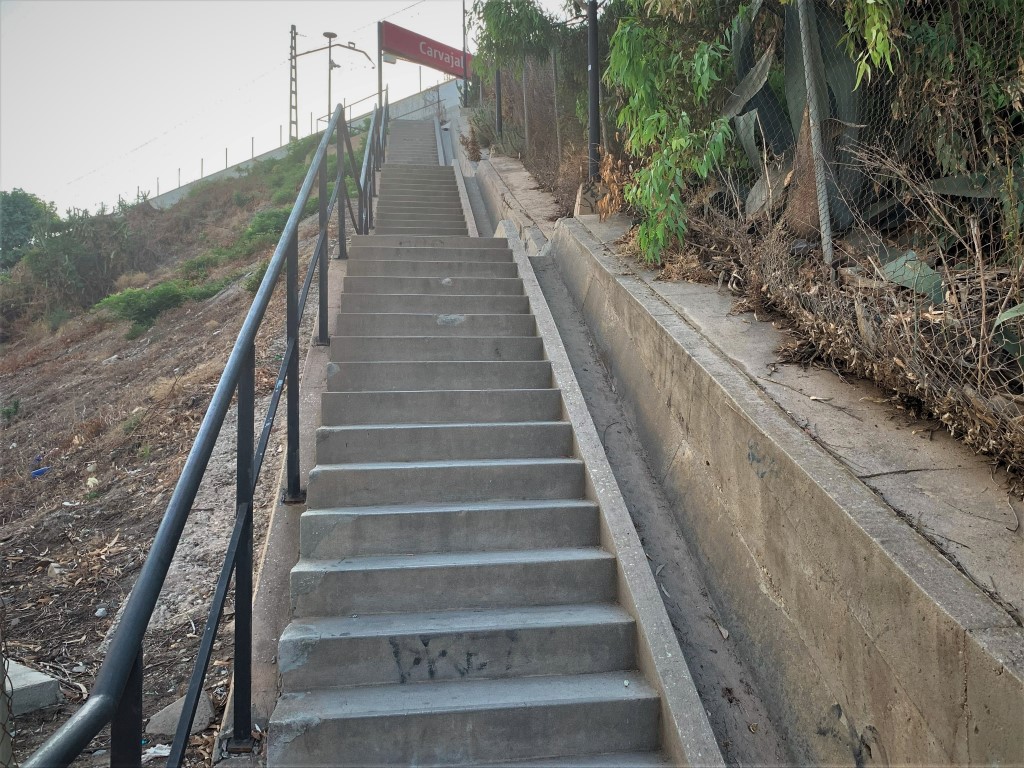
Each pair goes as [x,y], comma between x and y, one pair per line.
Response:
[99,98]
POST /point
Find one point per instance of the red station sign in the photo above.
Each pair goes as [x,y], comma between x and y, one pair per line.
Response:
[422,50]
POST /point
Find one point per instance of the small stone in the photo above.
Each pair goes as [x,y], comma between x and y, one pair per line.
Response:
[165,722]
[626,683]
[78,669]
[101,613]
[54,571]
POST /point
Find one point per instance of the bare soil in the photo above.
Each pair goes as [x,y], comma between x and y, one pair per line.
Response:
[106,423]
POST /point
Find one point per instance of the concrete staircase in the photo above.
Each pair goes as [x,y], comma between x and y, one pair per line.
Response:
[418,196]
[453,604]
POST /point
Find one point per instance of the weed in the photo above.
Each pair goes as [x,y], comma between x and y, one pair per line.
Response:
[254,280]
[57,317]
[132,423]
[142,306]
[145,451]
[9,412]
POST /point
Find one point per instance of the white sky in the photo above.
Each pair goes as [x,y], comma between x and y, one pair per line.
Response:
[100,97]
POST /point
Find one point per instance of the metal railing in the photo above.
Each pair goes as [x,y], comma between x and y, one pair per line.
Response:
[116,697]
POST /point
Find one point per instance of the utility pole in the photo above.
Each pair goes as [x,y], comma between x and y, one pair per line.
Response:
[593,90]
[293,108]
[465,86]
[330,65]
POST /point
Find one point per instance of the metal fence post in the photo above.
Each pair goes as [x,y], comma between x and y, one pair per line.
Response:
[242,702]
[126,725]
[293,492]
[811,56]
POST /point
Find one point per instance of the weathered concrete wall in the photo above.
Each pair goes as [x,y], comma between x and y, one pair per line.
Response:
[871,647]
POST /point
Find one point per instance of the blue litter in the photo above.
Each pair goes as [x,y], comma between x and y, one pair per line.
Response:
[40,472]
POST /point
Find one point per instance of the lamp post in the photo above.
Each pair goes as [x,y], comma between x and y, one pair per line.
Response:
[330,65]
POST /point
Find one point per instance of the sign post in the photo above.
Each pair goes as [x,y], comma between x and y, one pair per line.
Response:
[422,50]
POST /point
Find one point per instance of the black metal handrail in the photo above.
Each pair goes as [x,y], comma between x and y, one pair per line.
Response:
[116,696]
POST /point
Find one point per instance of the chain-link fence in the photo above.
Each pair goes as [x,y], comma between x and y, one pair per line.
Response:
[6,711]
[884,216]
[917,282]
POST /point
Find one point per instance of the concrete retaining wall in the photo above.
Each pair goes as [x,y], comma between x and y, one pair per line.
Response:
[871,648]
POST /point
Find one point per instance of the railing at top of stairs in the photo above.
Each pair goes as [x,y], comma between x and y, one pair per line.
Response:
[116,696]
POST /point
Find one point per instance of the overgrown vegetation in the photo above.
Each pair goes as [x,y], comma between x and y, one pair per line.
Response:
[52,268]
[917,161]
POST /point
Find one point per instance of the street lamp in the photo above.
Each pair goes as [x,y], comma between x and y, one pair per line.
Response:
[330,65]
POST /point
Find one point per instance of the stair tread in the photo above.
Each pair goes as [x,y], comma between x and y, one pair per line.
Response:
[468,506]
[373,625]
[444,463]
[609,760]
[446,559]
[437,698]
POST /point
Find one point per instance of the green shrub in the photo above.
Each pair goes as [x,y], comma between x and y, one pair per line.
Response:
[253,281]
[142,306]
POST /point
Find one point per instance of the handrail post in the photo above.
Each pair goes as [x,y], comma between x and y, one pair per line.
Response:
[325,239]
[241,734]
[342,189]
[126,725]
[293,492]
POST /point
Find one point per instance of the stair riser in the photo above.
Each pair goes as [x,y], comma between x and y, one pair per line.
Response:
[388,230]
[448,286]
[412,377]
[414,210]
[340,445]
[449,588]
[415,196]
[334,486]
[368,268]
[463,407]
[389,253]
[414,348]
[383,324]
[447,304]
[396,241]
[420,214]
[339,534]
[474,737]
[503,652]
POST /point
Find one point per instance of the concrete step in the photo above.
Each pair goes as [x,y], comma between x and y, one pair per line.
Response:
[429,241]
[420,219]
[424,253]
[421,214]
[429,230]
[466,722]
[415,529]
[433,325]
[424,169]
[408,482]
[455,645]
[407,302]
[422,268]
[609,760]
[441,442]
[413,376]
[465,406]
[423,348]
[449,581]
[407,196]
[423,206]
[449,286]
